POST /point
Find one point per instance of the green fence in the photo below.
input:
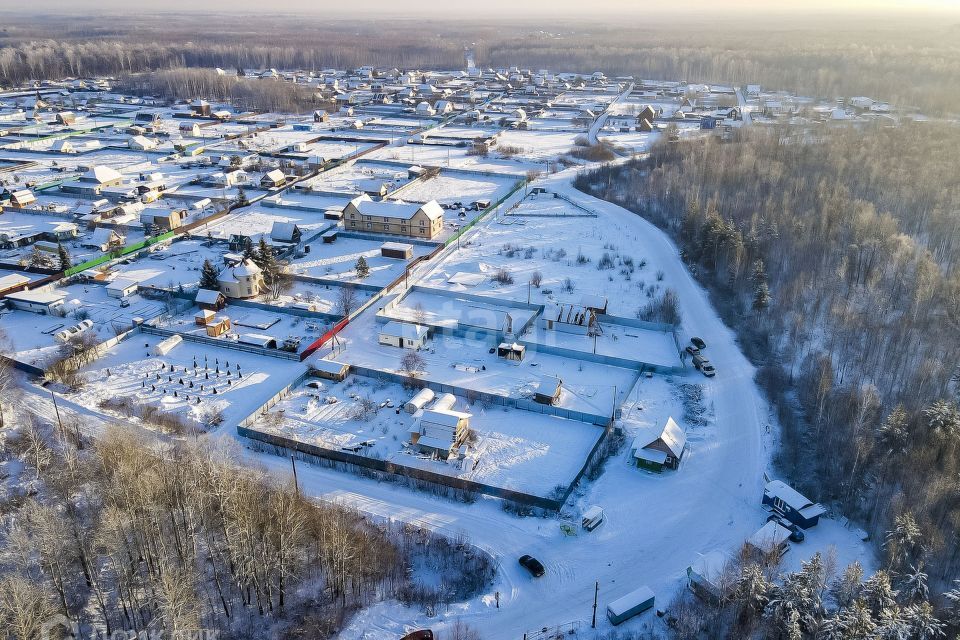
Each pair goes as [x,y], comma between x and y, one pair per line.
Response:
[89,264]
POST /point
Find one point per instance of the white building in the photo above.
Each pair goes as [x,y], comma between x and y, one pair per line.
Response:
[402,334]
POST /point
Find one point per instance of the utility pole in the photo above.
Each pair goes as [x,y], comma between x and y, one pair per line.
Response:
[596,593]
[57,410]
[296,483]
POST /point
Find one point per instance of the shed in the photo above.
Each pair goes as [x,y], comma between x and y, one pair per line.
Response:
[419,401]
[625,607]
[399,250]
[548,391]
[330,369]
[708,576]
[333,214]
[210,299]
[511,351]
[286,232]
[218,326]
[329,237]
[167,345]
[797,508]
[121,288]
[204,317]
[403,334]
[769,540]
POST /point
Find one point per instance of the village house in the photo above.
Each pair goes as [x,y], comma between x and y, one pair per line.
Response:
[273,179]
[440,430]
[780,497]
[655,451]
[244,280]
[104,239]
[286,232]
[403,334]
[94,181]
[396,218]
[163,219]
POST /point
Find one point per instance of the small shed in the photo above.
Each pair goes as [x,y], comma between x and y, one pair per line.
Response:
[511,351]
[403,334]
[333,214]
[286,232]
[121,288]
[797,508]
[329,237]
[218,326]
[167,345]
[419,401]
[708,576]
[330,369]
[770,540]
[210,299]
[548,391]
[204,317]
[399,250]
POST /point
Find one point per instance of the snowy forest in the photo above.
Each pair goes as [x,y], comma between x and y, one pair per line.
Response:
[127,535]
[836,258]
[919,66]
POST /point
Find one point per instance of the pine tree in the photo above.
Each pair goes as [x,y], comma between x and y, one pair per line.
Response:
[267,262]
[64,257]
[362,269]
[209,276]
[242,197]
[761,297]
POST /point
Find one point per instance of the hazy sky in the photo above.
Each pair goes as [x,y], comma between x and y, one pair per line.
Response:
[487,8]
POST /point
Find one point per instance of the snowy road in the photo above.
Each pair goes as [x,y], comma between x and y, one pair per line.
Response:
[655,525]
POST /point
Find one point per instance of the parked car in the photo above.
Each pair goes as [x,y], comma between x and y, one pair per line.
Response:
[708,370]
[531,564]
[420,634]
[692,350]
[699,361]
[796,533]
[698,343]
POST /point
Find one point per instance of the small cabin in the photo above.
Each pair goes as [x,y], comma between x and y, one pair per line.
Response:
[218,326]
[655,451]
[769,541]
[794,506]
[511,351]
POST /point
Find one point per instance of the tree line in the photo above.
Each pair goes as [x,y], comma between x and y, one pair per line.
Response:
[836,256]
[128,534]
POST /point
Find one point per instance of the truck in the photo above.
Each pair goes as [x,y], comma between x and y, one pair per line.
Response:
[634,603]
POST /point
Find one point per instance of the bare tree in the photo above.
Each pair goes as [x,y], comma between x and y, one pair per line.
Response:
[346,299]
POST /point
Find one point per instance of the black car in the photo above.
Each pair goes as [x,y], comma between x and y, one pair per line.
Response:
[421,634]
[692,350]
[532,565]
[796,533]
[698,343]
